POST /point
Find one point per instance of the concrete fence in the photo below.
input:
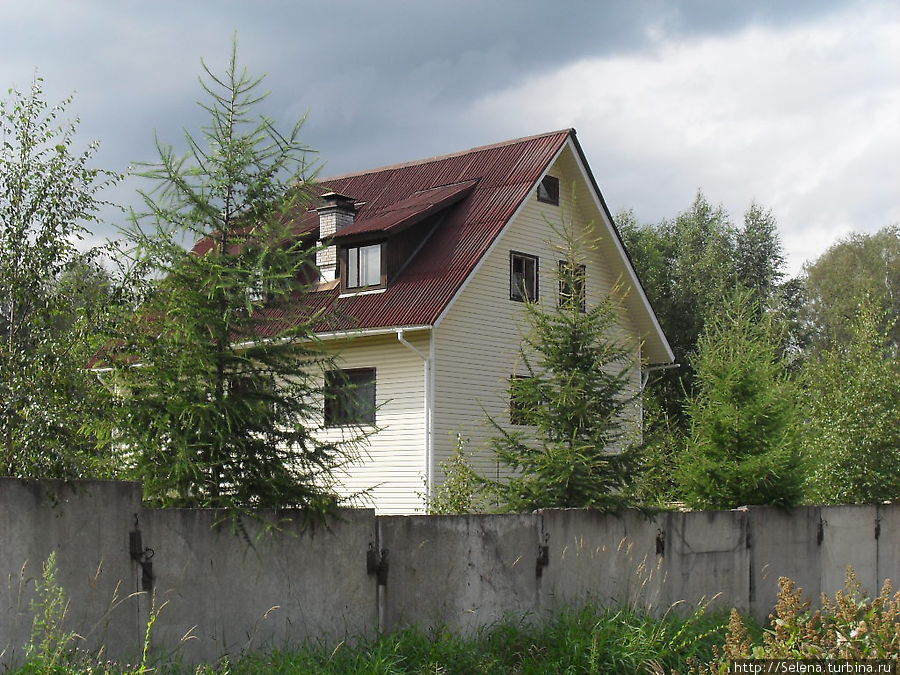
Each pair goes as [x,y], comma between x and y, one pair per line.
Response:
[218,591]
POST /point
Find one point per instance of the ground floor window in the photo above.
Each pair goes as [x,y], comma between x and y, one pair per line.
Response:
[350,397]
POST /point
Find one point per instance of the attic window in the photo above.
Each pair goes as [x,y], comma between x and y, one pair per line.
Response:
[548,190]
[523,277]
[362,266]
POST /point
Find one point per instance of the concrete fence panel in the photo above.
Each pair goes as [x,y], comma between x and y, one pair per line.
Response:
[461,572]
[612,559]
[587,559]
[231,589]
[848,538]
[783,544]
[888,531]
[707,560]
[86,523]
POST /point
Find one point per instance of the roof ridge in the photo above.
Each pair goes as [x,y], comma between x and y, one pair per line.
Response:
[437,158]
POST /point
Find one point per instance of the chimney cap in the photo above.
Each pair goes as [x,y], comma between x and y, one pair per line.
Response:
[336,199]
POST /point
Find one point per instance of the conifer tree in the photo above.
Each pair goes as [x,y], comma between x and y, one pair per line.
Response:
[576,396]
[220,372]
[743,446]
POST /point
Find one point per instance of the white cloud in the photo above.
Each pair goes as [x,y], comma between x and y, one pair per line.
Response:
[804,119]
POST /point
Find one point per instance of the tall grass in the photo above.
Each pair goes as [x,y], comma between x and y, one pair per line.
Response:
[587,640]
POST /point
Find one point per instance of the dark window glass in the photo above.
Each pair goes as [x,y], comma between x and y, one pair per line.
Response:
[571,284]
[523,277]
[548,190]
[350,397]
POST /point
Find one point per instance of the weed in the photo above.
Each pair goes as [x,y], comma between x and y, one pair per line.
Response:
[850,626]
[50,643]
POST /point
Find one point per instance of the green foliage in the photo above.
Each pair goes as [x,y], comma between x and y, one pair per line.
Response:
[744,445]
[853,399]
[860,266]
[462,489]
[220,372]
[50,645]
[686,266]
[48,192]
[576,397]
[657,482]
[585,640]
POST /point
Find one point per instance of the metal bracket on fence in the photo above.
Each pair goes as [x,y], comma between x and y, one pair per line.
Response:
[142,556]
[377,563]
[877,526]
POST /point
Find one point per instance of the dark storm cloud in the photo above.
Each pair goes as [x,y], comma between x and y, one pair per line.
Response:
[382,81]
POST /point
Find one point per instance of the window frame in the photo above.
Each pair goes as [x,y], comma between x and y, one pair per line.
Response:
[549,185]
[345,267]
[516,408]
[563,292]
[338,398]
[521,295]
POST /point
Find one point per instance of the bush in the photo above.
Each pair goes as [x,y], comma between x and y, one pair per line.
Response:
[850,626]
[462,489]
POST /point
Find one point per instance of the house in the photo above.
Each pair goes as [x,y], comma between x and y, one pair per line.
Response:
[427,263]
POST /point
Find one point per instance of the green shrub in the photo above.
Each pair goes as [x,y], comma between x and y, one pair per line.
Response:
[462,490]
[850,626]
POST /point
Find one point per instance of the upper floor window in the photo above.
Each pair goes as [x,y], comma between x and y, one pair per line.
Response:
[548,190]
[363,266]
[571,284]
[350,397]
[519,409]
[523,277]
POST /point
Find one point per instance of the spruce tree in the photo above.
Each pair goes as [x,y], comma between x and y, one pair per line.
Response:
[576,396]
[743,446]
[220,374]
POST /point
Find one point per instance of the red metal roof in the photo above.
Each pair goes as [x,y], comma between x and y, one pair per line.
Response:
[489,182]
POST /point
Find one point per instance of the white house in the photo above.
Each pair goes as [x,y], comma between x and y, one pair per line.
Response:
[426,263]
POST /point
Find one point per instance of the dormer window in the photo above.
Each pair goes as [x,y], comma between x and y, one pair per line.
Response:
[363,267]
[548,190]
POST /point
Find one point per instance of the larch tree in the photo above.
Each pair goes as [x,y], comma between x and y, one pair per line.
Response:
[220,373]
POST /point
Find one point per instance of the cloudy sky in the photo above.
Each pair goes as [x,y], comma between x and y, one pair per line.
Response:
[793,104]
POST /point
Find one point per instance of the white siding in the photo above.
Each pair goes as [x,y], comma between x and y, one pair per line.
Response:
[391,466]
[476,344]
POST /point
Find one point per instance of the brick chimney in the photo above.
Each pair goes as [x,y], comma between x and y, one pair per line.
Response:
[337,212]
